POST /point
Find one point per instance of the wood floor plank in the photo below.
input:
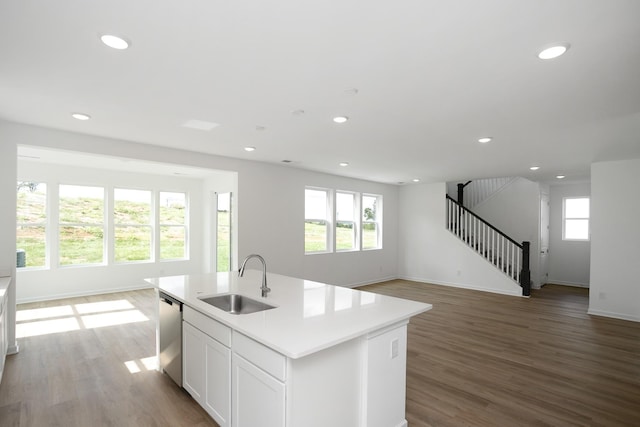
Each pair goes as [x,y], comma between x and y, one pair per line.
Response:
[480,359]
[477,359]
[79,378]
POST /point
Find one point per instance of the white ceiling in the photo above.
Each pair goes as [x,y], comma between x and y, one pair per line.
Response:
[432,76]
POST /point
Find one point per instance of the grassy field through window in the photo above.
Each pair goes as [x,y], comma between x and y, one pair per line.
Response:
[315,237]
[85,244]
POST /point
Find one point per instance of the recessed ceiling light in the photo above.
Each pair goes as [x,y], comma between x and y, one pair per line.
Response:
[534,168]
[249,148]
[200,125]
[484,140]
[340,119]
[114,42]
[343,164]
[555,51]
[560,176]
[80,116]
[415,180]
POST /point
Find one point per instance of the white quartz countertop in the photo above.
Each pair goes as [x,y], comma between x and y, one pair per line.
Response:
[309,316]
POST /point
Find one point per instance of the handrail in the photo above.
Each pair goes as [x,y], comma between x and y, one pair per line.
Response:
[486,222]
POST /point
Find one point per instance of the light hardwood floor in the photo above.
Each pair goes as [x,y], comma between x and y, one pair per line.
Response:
[476,359]
[79,378]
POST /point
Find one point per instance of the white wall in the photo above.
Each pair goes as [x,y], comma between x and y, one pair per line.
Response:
[8,155]
[515,210]
[615,239]
[270,205]
[430,253]
[60,282]
[569,260]
[271,218]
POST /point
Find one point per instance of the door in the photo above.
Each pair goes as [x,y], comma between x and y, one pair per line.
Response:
[544,239]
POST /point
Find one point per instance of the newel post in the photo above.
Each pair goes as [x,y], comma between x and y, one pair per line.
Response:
[525,273]
[461,193]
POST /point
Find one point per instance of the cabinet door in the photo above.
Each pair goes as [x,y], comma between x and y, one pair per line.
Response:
[217,400]
[258,398]
[193,362]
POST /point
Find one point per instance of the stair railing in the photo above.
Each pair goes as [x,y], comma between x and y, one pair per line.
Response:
[509,256]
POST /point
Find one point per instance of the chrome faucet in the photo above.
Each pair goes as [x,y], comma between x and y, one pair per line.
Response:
[265,290]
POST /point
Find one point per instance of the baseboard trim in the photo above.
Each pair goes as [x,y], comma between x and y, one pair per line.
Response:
[370,282]
[613,315]
[515,292]
[13,349]
[563,283]
[85,293]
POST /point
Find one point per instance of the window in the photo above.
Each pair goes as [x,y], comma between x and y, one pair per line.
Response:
[223,234]
[346,226]
[173,225]
[132,225]
[358,220]
[81,230]
[316,222]
[575,224]
[31,224]
[371,220]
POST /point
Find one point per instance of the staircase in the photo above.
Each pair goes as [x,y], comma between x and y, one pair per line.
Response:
[507,255]
[478,191]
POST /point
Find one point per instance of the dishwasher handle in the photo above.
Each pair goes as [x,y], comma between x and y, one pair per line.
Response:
[170,301]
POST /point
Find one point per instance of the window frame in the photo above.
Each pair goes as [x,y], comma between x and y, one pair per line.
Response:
[355,224]
[587,219]
[359,221]
[161,225]
[377,221]
[149,226]
[45,224]
[328,220]
[103,225]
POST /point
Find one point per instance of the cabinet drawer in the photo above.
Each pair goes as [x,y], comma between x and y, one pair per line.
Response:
[263,357]
[213,328]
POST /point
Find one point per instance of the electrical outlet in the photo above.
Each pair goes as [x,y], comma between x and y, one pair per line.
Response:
[394,349]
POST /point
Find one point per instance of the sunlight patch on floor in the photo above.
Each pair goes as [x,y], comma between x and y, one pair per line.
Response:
[66,318]
[102,306]
[45,327]
[138,365]
[44,313]
[111,319]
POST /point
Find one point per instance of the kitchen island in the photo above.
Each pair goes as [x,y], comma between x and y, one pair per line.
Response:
[324,355]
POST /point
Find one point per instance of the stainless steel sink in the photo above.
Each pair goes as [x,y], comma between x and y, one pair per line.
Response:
[236,304]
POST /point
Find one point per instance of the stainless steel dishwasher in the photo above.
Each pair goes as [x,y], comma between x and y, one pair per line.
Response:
[170,346]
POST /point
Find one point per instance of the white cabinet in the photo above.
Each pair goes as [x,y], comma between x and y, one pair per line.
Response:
[193,361]
[217,401]
[207,364]
[243,383]
[258,398]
